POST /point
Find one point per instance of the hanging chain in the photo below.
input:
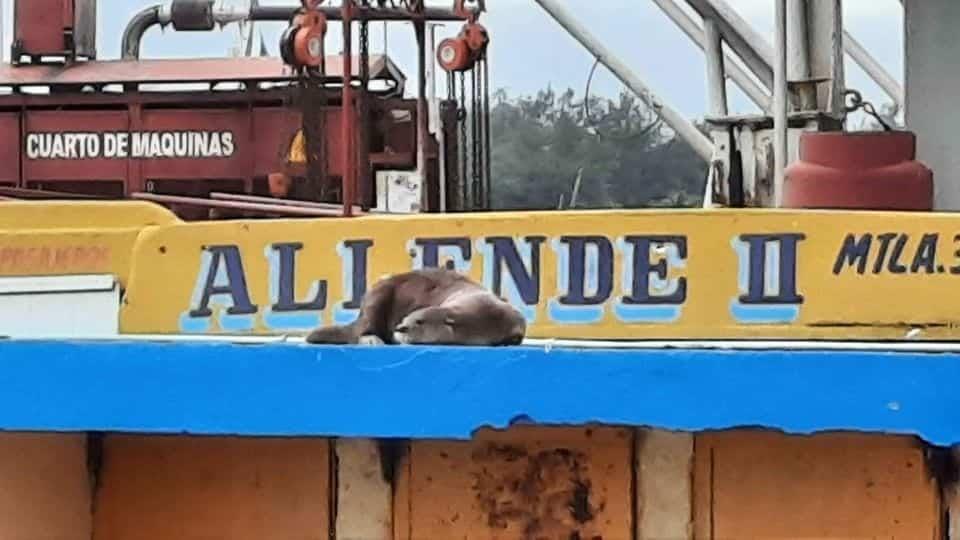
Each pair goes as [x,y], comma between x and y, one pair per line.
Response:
[462,120]
[856,102]
[474,137]
[487,142]
[364,46]
[364,195]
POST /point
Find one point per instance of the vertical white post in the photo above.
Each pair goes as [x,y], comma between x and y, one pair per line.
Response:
[780,100]
[716,80]
[931,112]
[3,35]
[436,126]
[798,50]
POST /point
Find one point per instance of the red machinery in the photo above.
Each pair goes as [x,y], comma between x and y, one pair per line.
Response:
[129,128]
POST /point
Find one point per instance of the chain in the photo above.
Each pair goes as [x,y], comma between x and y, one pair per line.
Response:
[858,103]
[462,120]
[363,194]
[474,155]
[487,143]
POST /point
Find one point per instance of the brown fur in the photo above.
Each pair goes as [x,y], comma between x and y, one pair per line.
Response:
[430,306]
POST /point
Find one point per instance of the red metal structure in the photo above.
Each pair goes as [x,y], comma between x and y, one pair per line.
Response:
[185,129]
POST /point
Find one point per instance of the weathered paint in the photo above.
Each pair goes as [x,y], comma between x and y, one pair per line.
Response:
[664,477]
[528,482]
[767,485]
[46,489]
[157,488]
[449,392]
[73,237]
[364,491]
[625,275]
[98,215]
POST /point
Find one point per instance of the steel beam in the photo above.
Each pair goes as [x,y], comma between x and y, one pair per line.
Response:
[740,36]
[780,100]
[716,81]
[756,92]
[873,69]
[684,128]
[757,53]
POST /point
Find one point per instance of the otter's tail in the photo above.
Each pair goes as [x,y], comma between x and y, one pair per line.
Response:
[333,335]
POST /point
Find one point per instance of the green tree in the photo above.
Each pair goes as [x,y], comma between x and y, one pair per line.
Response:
[623,154]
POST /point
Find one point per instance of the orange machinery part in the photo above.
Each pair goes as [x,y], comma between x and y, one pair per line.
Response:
[308,42]
[460,53]
[862,170]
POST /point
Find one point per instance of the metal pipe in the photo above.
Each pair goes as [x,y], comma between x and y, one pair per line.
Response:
[252,207]
[780,100]
[284,13]
[283,202]
[159,15]
[349,180]
[686,130]
[757,93]
[3,43]
[798,46]
[423,126]
[874,69]
[716,81]
[740,36]
[136,28]
[436,125]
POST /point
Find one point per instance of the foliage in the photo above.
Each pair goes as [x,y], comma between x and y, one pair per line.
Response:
[625,156]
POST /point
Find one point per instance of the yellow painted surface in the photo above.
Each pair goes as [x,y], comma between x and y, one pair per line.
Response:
[54,238]
[35,215]
[906,279]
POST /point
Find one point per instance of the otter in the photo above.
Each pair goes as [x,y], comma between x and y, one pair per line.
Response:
[429,307]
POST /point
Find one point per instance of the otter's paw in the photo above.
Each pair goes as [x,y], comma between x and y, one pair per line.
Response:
[370,340]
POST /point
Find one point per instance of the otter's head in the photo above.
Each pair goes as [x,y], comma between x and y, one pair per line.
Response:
[484,321]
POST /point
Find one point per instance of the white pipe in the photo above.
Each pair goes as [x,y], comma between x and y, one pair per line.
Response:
[3,42]
[429,60]
[873,68]
[716,82]
[742,38]
[780,100]
[757,53]
[684,128]
[798,50]
[757,93]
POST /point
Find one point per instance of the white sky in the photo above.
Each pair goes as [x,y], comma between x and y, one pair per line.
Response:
[529,50]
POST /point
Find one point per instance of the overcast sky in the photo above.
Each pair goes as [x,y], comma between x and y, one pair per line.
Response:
[530,50]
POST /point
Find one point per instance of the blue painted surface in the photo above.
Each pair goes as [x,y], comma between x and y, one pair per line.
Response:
[292,389]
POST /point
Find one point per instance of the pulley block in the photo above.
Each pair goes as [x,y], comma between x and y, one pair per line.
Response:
[301,44]
[462,52]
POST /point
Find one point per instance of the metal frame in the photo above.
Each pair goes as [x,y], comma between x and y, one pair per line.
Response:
[685,129]
[758,54]
[282,389]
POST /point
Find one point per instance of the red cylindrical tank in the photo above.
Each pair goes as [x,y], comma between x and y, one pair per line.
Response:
[862,170]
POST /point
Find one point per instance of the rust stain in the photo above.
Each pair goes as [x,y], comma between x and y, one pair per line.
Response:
[545,494]
[18,260]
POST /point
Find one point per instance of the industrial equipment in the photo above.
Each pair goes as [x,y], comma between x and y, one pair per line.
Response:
[245,136]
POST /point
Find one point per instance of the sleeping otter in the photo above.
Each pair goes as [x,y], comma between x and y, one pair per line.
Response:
[431,306]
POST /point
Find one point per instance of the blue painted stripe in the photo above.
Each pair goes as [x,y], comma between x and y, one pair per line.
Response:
[295,389]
